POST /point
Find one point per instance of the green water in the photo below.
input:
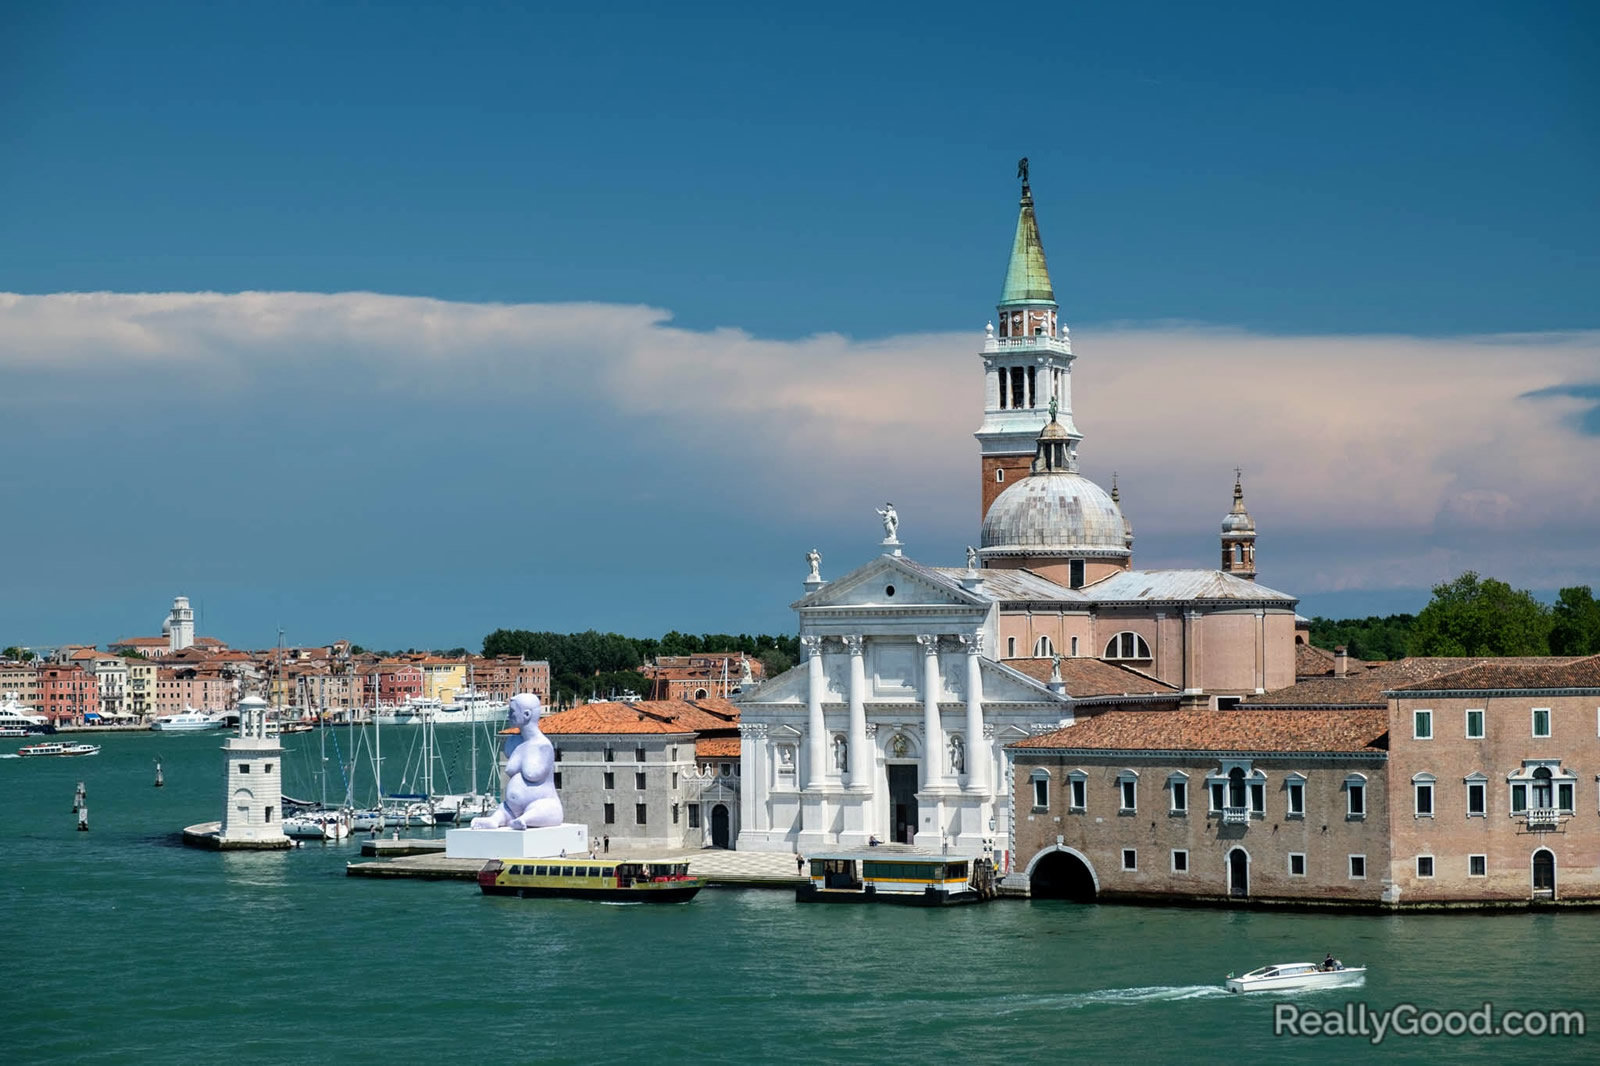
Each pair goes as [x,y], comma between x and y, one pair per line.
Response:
[124,946]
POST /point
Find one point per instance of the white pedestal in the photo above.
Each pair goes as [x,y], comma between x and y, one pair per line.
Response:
[542,843]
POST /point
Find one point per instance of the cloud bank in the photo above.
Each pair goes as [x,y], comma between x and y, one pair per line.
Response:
[1370,461]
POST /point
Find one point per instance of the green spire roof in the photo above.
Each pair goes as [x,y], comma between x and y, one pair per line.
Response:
[1027,278]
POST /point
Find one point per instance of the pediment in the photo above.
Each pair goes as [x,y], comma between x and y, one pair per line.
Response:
[789,687]
[1002,684]
[913,585]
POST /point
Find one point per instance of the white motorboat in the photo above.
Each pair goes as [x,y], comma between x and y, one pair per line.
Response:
[189,720]
[316,825]
[472,706]
[1297,977]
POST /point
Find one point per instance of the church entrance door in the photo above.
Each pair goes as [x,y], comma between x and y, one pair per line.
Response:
[719,826]
[902,802]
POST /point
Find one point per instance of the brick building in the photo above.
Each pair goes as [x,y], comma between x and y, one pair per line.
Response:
[703,676]
[1265,806]
[66,692]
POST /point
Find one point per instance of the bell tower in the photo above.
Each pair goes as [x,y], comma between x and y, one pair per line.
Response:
[1027,363]
[1239,536]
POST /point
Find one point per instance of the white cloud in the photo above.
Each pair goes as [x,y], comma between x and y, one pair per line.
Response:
[1401,448]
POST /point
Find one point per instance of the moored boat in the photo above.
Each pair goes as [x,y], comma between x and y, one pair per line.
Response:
[188,721]
[616,880]
[14,715]
[888,874]
[1297,977]
[56,747]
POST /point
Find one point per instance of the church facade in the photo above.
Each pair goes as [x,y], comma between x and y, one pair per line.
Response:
[915,677]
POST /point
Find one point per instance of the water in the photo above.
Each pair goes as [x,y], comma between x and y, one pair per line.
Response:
[124,946]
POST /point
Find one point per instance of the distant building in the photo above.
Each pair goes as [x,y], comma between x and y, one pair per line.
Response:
[177,634]
[66,692]
[700,676]
[634,771]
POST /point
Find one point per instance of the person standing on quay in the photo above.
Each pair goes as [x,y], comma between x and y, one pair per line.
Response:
[799,865]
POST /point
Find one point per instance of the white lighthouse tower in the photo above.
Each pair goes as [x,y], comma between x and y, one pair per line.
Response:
[180,625]
[252,814]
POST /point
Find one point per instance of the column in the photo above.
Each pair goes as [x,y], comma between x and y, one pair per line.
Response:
[753,784]
[860,757]
[933,754]
[816,730]
[977,746]
[1191,652]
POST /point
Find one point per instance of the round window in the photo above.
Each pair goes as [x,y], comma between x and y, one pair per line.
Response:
[888,590]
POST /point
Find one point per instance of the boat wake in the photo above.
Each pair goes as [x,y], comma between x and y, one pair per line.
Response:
[10,755]
[1126,996]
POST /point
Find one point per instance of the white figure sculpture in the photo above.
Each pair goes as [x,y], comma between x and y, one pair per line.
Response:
[531,799]
[891,521]
[841,754]
[958,755]
[972,557]
[814,560]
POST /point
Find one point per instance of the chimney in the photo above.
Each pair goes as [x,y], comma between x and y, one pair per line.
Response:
[1341,661]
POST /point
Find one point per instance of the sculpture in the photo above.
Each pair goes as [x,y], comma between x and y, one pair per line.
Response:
[958,755]
[814,560]
[972,557]
[531,799]
[841,754]
[1022,169]
[891,521]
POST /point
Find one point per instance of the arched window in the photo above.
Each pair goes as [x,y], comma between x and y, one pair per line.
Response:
[700,693]
[1543,794]
[1127,645]
[1011,647]
[1042,648]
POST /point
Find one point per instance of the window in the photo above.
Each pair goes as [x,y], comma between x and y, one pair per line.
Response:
[638,780]
[1295,797]
[1179,787]
[557,754]
[558,778]
[1297,864]
[1477,865]
[674,814]
[1075,573]
[1474,725]
[1130,859]
[1355,790]
[1258,799]
[1041,790]
[999,475]
[1422,791]
[267,769]
[1043,649]
[724,769]
[1477,796]
[1358,867]
[638,814]
[1541,721]
[1424,865]
[611,779]
[674,779]
[1519,797]
[1079,784]
[1180,861]
[1074,647]
[611,755]
[638,754]
[1127,791]
[1127,646]
[611,814]
[1011,647]
[1422,725]
[244,768]
[1218,797]
[694,816]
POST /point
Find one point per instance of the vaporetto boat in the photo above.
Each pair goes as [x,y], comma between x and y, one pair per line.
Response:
[57,748]
[613,880]
[895,874]
[1297,977]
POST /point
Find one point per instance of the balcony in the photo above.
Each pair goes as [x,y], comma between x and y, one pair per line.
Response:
[1543,818]
[1041,343]
[1235,815]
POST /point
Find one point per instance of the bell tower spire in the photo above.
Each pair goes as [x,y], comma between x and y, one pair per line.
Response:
[1239,535]
[1027,362]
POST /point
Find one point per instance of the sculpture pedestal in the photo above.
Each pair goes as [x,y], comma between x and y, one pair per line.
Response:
[542,843]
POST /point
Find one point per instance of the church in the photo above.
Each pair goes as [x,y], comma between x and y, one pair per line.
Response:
[915,677]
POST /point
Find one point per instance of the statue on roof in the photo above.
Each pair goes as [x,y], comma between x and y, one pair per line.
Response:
[814,560]
[1054,407]
[1022,169]
[972,557]
[891,523]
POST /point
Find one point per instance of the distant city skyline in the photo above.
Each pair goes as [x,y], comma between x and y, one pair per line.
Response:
[401,325]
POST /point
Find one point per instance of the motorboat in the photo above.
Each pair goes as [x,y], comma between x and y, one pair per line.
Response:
[1297,977]
[316,825]
[471,706]
[14,715]
[56,747]
[189,720]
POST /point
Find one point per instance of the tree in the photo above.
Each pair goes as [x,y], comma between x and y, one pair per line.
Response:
[1473,616]
[1575,623]
[17,654]
[775,662]
[1371,639]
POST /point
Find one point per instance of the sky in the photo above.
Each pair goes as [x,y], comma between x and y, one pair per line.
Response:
[402,323]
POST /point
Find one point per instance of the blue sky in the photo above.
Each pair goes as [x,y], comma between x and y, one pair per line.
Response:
[700,213]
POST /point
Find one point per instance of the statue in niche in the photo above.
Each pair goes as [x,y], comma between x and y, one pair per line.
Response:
[891,521]
[900,746]
[958,755]
[531,799]
[841,754]
[814,560]
[786,760]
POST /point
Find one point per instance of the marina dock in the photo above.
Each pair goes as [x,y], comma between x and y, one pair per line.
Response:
[720,868]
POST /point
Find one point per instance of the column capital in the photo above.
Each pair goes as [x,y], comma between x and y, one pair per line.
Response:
[929,642]
[812,644]
[973,642]
[853,643]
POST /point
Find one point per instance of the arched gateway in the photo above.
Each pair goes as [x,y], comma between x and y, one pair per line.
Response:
[1062,873]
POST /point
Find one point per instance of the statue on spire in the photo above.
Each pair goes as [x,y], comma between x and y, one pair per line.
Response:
[1022,170]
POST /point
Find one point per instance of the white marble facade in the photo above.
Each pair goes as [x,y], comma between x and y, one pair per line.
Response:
[894,724]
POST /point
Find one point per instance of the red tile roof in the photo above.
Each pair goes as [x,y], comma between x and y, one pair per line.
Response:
[1357,731]
[1085,677]
[1366,688]
[716,748]
[1554,672]
[645,716]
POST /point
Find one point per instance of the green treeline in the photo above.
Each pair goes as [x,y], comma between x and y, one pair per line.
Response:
[1473,616]
[602,664]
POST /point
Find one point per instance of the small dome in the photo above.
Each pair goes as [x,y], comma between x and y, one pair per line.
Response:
[1059,512]
[1238,520]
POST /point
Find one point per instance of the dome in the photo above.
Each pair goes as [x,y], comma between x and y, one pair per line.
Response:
[1059,512]
[1238,520]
